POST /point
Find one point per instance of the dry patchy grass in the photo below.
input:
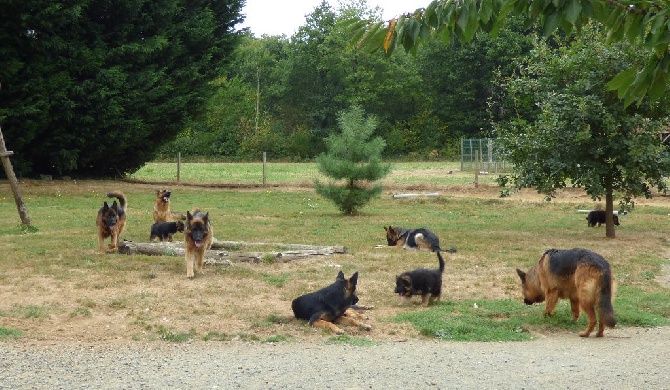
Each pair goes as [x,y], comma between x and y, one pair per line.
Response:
[55,286]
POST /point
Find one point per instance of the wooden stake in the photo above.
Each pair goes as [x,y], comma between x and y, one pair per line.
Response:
[9,171]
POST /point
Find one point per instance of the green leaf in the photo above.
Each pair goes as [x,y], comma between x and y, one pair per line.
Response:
[622,81]
[573,11]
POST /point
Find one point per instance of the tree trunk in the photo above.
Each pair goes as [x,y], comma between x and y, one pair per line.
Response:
[609,215]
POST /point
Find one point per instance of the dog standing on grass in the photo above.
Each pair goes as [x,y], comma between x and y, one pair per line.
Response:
[421,281]
[330,305]
[198,237]
[420,238]
[162,212]
[582,276]
[111,221]
[165,230]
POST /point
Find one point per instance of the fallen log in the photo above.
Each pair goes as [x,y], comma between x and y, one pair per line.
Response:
[220,257]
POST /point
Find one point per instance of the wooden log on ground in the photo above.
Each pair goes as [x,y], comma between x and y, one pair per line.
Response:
[232,245]
[220,257]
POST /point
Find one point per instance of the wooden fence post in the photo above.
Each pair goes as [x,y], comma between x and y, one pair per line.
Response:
[264,161]
[9,171]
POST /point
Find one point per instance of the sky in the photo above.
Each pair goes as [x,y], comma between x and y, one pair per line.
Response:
[276,17]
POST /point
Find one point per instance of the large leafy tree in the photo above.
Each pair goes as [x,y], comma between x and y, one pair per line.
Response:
[94,87]
[566,129]
[644,22]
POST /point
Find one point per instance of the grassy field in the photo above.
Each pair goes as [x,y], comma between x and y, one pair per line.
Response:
[55,286]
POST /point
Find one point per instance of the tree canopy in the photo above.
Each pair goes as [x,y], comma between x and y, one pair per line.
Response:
[647,22]
[95,86]
[561,127]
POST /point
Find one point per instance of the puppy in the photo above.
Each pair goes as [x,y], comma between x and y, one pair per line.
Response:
[165,230]
[424,282]
[111,221]
[198,237]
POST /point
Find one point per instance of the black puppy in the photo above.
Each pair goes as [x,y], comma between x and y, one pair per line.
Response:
[424,282]
[165,230]
[598,217]
[329,305]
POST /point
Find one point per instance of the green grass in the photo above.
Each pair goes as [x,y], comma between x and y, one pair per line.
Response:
[9,333]
[402,173]
[507,320]
[151,294]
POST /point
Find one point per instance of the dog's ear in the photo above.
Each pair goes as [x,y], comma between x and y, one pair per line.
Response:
[189,217]
[206,217]
[405,280]
[115,206]
[340,276]
[354,279]
[105,205]
[386,228]
[522,275]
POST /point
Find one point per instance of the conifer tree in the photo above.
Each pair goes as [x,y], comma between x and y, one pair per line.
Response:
[352,162]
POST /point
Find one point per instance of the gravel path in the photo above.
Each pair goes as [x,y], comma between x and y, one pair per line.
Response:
[629,358]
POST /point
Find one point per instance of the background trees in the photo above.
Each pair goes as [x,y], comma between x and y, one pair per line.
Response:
[564,128]
[94,87]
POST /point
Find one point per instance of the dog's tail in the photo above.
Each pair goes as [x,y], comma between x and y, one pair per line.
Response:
[441,260]
[605,309]
[119,195]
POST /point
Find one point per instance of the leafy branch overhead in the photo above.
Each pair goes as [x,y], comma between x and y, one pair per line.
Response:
[643,22]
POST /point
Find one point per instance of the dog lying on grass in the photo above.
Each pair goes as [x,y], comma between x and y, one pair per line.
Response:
[330,305]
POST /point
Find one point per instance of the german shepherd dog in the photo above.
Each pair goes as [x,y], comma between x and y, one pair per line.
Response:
[330,305]
[582,276]
[162,212]
[421,281]
[420,238]
[111,221]
[198,237]
[165,230]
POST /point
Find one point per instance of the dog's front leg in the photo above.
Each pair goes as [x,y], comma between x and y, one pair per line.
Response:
[552,300]
[189,265]
[101,243]
[327,324]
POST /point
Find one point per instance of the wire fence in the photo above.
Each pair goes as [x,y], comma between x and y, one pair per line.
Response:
[481,154]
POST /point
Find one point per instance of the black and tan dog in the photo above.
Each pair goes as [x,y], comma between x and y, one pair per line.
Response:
[162,212]
[165,230]
[421,281]
[198,237]
[420,238]
[582,276]
[330,305]
[111,221]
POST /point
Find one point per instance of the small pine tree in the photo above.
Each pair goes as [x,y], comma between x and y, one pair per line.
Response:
[353,159]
